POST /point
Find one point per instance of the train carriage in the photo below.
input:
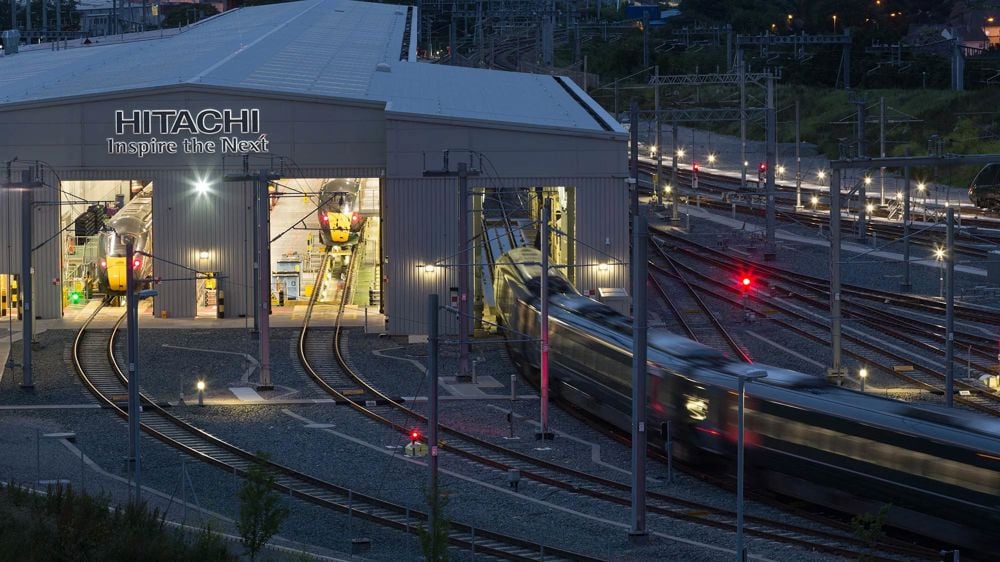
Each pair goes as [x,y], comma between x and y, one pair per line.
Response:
[843,449]
[339,213]
[135,221]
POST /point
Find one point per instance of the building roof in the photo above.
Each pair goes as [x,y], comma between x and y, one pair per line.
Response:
[327,48]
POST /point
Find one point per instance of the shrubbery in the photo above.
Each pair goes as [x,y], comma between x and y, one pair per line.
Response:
[65,525]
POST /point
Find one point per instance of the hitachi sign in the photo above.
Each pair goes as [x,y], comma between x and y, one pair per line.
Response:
[177,121]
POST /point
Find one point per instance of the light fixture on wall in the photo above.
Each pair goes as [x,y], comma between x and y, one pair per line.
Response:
[203,255]
[603,266]
[429,268]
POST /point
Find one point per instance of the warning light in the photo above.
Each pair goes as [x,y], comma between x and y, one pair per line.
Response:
[104,264]
[75,297]
[414,436]
[695,167]
[324,218]
[355,218]
[136,263]
[746,281]
[762,167]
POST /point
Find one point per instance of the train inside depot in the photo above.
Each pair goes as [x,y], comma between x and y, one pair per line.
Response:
[310,218]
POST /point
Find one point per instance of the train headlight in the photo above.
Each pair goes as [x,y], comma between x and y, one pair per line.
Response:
[697,407]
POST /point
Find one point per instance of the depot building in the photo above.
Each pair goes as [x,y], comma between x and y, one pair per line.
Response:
[271,104]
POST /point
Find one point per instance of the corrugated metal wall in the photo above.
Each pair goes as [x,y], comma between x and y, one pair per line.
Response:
[46,258]
[421,227]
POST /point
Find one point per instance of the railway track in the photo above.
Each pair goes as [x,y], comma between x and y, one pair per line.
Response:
[723,193]
[707,328]
[93,358]
[814,326]
[664,509]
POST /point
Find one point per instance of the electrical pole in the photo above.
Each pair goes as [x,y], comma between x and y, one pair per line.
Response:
[743,118]
[798,161]
[545,434]
[770,246]
[261,264]
[949,322]
[264,280]
[862,189]
[639,241]
[835,371]
[659,140]
[30,181]
[906,286]
[432,419]
[881,147]
[675,194]
[132,329]
[27,292]
[633,162]
[452,36]
[463,270]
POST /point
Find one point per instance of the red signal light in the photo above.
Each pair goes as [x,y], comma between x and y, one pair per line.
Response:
[414,436]
[355,218]
[324,218]
[746,281]
[136,263]
[762,168]
[695,167]
[104,264]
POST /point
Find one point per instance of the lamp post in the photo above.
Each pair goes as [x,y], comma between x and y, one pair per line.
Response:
[201,392]
[863,373]
[743,378]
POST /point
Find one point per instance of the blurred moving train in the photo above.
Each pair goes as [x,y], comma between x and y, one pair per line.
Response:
[340,218]
[134,220]
[843,449]
[984,191]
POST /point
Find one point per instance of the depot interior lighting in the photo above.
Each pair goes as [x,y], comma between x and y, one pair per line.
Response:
[429,268]
[603,266]
[201,186]
[203,255]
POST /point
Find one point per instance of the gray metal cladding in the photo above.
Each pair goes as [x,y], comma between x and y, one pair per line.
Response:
[46,242]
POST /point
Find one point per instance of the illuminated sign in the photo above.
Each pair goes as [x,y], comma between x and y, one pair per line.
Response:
[171,123]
